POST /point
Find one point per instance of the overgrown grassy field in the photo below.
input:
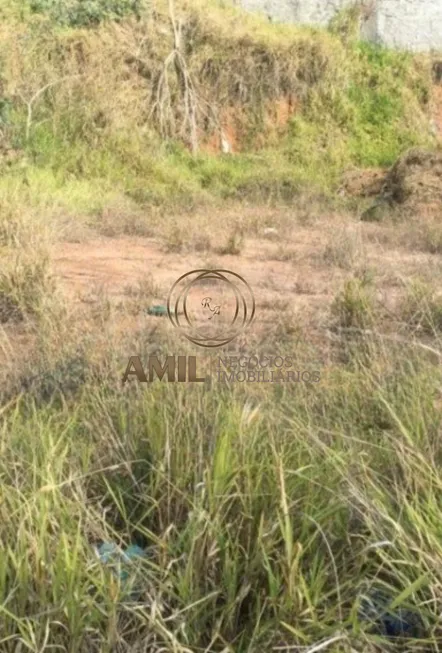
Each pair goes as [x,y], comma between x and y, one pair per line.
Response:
[267,511]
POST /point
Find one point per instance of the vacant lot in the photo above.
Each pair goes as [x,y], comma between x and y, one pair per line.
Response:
[267,512]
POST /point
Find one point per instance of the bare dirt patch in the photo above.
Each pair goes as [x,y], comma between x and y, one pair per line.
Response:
[298,288]
[437,109]
[112,266]
[107,284]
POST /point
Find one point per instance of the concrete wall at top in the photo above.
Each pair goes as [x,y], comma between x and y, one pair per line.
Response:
[285,11]
[408,24]
[319,12]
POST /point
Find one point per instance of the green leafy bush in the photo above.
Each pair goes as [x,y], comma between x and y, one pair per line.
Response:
[83,13]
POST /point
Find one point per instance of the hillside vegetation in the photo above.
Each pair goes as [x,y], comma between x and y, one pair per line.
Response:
[122,109]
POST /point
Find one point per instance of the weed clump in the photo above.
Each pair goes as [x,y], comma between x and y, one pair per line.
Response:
[422,309]
[345,249]
[353,308]
[25,283]
[234,244]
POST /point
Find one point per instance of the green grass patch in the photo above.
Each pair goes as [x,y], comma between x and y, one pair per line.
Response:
[265,512]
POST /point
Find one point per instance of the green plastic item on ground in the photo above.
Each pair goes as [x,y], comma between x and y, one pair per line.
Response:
[158,310]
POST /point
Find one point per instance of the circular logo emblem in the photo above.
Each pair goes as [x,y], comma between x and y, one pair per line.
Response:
[211,307]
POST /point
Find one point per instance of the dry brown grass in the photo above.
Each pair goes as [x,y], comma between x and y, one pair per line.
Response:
[345,248]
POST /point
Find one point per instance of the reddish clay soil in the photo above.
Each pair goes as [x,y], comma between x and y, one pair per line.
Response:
[295,275]
[229,134]
[113,267]
[293,280]
[437,109]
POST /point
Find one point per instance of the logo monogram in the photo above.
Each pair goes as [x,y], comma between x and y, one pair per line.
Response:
[238,306]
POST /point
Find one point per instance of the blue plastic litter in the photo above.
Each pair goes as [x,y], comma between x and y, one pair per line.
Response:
[106,551]
[134,551]
[120,559]
[389,623]
[402,624]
